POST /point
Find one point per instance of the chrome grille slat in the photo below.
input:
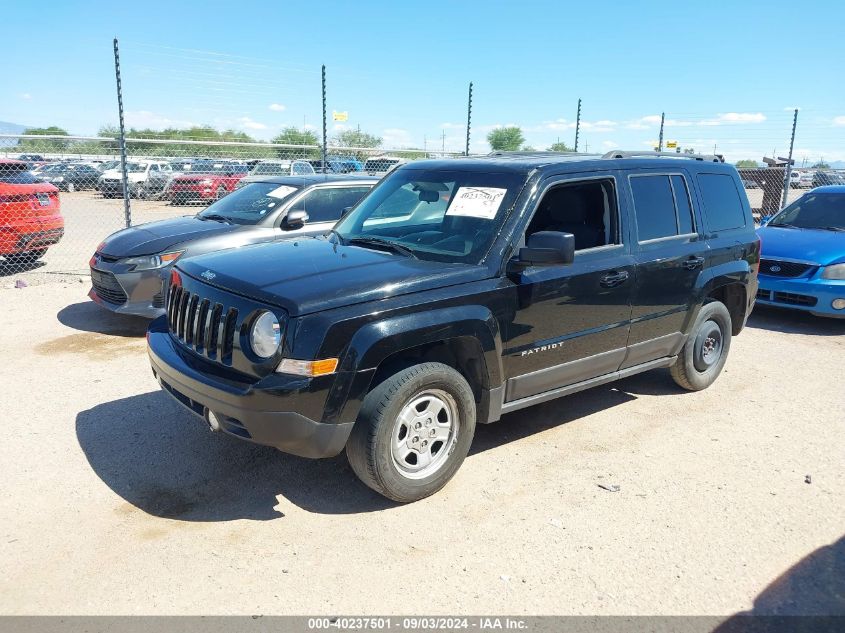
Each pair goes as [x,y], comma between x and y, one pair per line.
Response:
[203,325]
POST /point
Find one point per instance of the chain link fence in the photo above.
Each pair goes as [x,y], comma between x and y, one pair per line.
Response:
[60,196]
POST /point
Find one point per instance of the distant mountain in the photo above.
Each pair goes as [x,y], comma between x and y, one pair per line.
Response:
[837,164]
[10,128]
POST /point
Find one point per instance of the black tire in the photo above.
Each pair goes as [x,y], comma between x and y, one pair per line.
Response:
[704,354]
[369,448]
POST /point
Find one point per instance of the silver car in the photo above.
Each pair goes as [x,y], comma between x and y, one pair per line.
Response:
[130,269]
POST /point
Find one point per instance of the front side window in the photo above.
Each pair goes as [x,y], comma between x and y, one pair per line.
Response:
[326,204]
[662,206]
[440,215]
[250,204]
[722,203]
[585,209]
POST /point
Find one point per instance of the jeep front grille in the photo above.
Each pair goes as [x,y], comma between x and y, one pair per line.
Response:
[205,327]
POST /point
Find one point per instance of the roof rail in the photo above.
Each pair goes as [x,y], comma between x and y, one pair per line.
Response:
[710,158]
[533,152]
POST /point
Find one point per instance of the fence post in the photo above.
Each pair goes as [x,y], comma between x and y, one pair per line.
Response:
[786,181]
[660,140]
[323,162]
[127,211]
[469,117]
[577,124]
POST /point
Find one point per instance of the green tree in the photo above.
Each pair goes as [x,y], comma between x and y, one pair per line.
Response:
[560,146]
[46,145]
[356,138]
[821,165]
[506,139]
[295,136]
[746,163]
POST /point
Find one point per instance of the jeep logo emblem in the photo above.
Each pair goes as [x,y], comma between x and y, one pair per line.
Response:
[208,275]
[775,268]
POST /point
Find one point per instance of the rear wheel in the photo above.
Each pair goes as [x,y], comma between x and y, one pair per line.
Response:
[413,433]
[704,355]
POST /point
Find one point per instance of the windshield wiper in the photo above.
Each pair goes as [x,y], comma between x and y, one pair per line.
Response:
[838,229]
[786,224]
[377,241]
[216,217]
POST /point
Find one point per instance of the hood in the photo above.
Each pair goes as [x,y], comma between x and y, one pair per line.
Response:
[812,245]
[310,275]
[155,237]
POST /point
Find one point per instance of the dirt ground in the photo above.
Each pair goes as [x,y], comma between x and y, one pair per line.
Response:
[117,501]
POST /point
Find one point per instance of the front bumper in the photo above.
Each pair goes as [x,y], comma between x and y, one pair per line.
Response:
[264,412]
[808,294]
[137,293]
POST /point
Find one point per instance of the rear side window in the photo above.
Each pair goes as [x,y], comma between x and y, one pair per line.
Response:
[662,206]
[722,203]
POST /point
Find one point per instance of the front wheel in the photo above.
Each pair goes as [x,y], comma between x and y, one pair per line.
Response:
[704,354]
[413,433]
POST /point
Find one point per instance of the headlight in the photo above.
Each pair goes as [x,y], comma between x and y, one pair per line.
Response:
[836,271]
[265,335]
[150,262]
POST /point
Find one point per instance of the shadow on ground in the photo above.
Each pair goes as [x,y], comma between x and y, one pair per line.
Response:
[815,586]
[162,459]
[794,322]
[87,316]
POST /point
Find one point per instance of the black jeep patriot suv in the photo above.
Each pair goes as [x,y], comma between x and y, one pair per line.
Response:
[455,292]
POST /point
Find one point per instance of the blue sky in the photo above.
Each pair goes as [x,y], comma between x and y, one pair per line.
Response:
[725,73]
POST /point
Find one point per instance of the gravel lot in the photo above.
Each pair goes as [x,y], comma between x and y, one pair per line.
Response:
[119,502]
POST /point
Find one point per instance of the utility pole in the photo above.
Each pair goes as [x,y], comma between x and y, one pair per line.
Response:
[789,162]
[660,139]
[577,124]
[469,117]
[325,145]
[443,142]
[127,211]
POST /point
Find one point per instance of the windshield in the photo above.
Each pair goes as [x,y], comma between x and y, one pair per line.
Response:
[814,211]
[111,164]
[135,168]
[450,216]
[250,204]
[270,169]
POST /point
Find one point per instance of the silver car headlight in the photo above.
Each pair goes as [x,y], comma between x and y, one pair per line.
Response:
[836,271]
[265,335]
[151,262]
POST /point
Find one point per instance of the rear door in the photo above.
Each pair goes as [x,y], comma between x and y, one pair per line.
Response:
[671,253]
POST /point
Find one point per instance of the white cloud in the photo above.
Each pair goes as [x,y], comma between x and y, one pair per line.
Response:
[396,137]
[277,107]
[25,96]
[145,118]
[840,120]
[248,124]
[609,144]
[734,118]
[452,126]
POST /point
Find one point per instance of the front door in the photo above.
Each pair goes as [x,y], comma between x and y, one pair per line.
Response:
[572,321]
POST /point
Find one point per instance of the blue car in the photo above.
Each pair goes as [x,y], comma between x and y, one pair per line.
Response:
[802,265]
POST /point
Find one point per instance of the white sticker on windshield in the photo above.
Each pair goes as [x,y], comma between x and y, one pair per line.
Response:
[476,202]
[281,192]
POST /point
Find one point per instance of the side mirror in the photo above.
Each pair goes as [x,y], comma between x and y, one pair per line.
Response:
[345,211]
[295,219]
[547,248]
[764,220]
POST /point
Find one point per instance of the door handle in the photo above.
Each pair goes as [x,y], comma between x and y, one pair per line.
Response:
[693,262]
[611,280]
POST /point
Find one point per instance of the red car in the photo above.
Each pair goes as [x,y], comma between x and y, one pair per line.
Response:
[207,180]
[30,215]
